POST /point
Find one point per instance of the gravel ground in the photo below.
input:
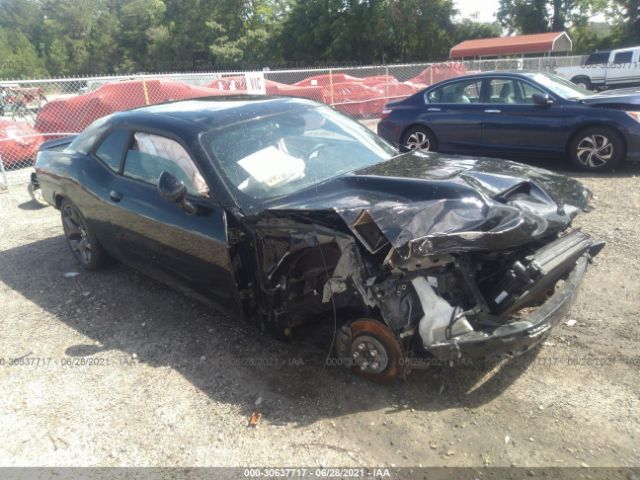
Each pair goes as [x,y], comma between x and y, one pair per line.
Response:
[118,370]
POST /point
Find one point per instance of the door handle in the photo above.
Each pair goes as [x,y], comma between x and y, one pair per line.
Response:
[115,196]
[493,111]
[434,109]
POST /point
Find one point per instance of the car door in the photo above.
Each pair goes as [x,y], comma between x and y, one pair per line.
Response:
[454,113]
[513,124]
[624,68]
[92,194]
[188,251]
[595,68]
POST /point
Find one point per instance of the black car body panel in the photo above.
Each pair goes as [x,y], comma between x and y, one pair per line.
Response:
[435,250]
[513,130]
[426,202]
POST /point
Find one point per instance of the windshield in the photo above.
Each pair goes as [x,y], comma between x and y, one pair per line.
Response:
[284,153]
[560,86]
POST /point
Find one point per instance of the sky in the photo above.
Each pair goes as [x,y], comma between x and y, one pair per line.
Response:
[486,9]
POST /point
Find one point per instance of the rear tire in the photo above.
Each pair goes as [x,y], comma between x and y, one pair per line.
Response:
[418,138]
[597,149]
[81,240]
[584,82]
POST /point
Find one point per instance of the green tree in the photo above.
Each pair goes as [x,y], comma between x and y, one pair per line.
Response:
[246,31]
[469,30]
[537,16]
[18,57]
[627,22]
[368,31]
[138,19]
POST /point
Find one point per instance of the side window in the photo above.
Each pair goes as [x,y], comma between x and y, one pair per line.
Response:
[600,58]
[458,92]
[526,92]
[149,155]
[623,57]
[501,91]
[506,91]
[112,148]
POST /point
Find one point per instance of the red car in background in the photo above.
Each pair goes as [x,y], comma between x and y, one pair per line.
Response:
[18,143]
[72,115]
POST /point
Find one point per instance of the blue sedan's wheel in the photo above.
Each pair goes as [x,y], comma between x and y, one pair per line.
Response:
[597,149]
[83,244]
[418,138]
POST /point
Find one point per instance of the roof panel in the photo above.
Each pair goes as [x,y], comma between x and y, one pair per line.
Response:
[536,43]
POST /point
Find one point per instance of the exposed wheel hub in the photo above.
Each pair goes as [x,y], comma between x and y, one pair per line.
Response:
[376,353]
[369,355]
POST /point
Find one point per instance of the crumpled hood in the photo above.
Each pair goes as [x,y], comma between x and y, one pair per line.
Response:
[427,203]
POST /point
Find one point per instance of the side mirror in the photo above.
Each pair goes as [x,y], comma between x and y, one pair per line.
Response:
[175,191]
[542,99]
[170,188]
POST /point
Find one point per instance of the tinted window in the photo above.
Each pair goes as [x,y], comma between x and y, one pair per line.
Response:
[85,141]
[149,155]
[507,91]
[280,154]
[112,147]
[598,58]
[623,57]
[467,91]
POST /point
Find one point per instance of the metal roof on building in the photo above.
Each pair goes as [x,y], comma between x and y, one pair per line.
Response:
[503,46]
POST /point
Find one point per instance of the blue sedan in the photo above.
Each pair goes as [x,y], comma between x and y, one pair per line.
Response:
[500,114]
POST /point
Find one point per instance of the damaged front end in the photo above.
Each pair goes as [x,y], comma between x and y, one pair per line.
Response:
[454,262]
[481,305]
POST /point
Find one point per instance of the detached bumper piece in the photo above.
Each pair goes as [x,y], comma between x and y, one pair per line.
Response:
[517,335]
[528,280]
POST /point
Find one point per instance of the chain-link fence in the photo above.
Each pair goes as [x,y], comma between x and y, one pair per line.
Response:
[33,111]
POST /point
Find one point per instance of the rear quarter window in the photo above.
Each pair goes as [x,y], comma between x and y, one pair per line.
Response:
[112,148]
[85,141]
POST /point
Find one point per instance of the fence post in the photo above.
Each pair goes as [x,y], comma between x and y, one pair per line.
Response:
[386,80]
[5,184]
[331,84]
[146,92]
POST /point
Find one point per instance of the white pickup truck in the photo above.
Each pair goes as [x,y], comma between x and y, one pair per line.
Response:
[610,69]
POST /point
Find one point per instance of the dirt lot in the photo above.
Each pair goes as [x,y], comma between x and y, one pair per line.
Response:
[117,369]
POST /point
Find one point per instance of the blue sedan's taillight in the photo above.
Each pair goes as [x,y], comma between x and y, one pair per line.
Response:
[385,113]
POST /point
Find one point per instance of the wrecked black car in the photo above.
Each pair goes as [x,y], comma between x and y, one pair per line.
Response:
[291,212]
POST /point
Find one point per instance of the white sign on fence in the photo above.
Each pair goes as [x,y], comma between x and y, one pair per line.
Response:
[255,83]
